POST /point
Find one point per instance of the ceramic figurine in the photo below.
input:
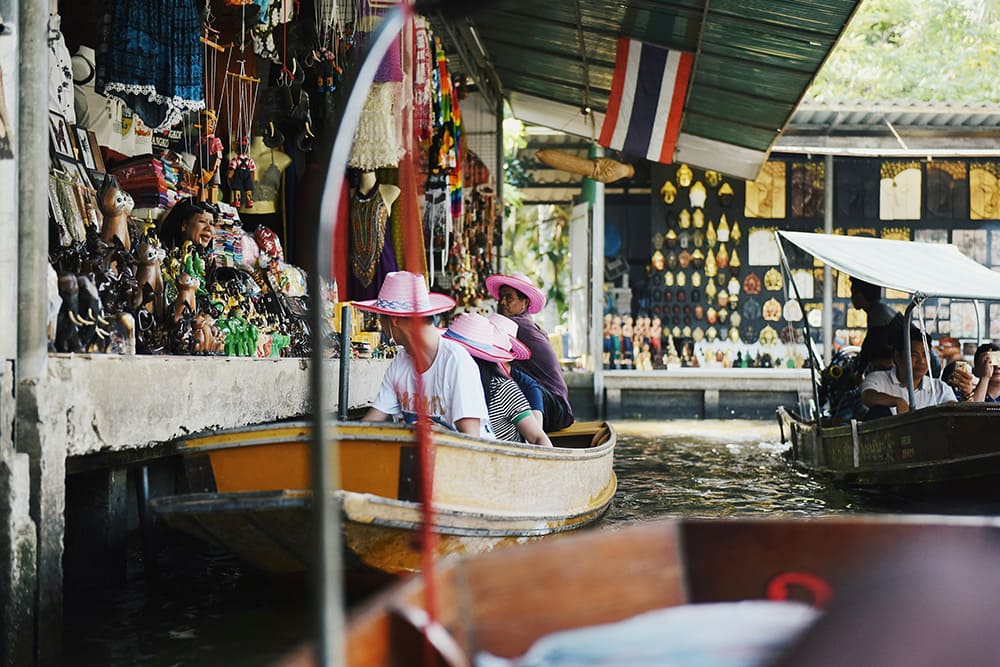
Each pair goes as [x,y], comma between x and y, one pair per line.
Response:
[149,280]
[94,334]
[185,304]
[115,205]
[68,321]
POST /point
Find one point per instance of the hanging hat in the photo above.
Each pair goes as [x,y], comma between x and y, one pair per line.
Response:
[405,294]
[477,335]
[520,282]
[508,328]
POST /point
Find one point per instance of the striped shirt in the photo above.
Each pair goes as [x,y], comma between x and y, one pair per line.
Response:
[507,406]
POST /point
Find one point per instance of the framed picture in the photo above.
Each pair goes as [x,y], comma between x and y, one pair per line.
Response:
[95,150]
[61,136]
[75,171]
[83,142]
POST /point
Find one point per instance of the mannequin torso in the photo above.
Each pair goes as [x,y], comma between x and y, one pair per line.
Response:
[271,164]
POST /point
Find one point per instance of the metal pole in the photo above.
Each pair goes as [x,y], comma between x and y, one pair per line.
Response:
[827,273]
[497,255]
[345,359]
[907,347]
[813,361]
[330,640]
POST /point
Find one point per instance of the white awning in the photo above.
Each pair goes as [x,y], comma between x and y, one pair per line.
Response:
[933,269]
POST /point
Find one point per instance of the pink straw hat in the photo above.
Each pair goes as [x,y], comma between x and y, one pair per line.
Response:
[520,282]
[507,328]
[475,333]
[405,294]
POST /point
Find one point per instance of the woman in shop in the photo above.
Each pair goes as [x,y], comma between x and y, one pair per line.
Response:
[189,220]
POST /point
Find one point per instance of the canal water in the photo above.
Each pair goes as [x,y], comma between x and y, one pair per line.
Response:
[207,608]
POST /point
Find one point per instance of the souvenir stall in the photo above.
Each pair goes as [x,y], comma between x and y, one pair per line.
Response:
[716,296]
[179,183]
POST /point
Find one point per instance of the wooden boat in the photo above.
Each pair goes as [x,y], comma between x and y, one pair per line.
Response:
[250,491]
[503,602]
[946,448]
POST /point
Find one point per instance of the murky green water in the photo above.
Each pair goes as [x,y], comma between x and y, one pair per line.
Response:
[208,609]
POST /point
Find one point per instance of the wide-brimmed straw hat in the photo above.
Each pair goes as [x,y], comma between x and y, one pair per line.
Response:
[507,328]
[520,282]
[477,335]
[405,294]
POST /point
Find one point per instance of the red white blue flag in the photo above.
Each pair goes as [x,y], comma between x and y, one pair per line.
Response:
[647,99]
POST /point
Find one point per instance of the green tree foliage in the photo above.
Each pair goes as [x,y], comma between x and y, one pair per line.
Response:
[911,51]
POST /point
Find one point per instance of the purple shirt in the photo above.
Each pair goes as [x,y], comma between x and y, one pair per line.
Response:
[543,365]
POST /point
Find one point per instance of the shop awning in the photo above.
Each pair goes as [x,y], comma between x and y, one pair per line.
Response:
[754,60]
[932,269]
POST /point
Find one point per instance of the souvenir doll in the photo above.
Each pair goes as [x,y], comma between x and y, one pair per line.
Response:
[241,173]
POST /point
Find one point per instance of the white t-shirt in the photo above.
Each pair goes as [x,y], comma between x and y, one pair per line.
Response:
[930,392]
[451,385]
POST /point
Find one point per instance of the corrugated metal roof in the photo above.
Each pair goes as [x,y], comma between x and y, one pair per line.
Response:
[754,58]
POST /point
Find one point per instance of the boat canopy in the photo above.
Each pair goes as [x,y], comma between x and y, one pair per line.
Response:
[931,269]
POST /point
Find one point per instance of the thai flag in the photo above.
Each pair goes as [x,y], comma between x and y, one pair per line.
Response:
[647,99]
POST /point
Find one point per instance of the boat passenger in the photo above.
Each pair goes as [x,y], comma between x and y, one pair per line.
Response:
[451,395]
[510,413]
[988,372]
[885,324]
[517,298]
[888,388]
[528,385]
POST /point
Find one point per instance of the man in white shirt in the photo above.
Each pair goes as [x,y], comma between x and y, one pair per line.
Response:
[888,388]
[452,394]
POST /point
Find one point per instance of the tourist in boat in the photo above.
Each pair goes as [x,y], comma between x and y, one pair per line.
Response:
[510,413]
[529,386]
[988,372]
[518,299]
[451,395]
[885,392]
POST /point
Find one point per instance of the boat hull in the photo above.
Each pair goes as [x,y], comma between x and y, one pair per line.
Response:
[947,448]
[250,492]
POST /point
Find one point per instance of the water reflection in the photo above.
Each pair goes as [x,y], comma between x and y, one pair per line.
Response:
[209,609]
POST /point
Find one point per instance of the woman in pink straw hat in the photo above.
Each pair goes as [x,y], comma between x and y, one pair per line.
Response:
[529,386]
[511,417]
[518,299]
[452,396]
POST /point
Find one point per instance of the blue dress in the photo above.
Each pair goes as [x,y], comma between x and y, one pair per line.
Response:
[150,57]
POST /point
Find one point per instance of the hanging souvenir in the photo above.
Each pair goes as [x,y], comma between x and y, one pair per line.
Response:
[768,336]
[771,310]
[681,294]
[711,334]
[710,291]
[733,286]
[735,234]
[698,239]
[672,260]
[734,335]
[684,176]
[722,231]
[668,279]
[658,241]
[698,334]
[722,298]
[726,195]
[685,220]
[722,257]
[751,284]
[720,280]
[668,192]
[697,195]
[681,281]
[676,332]
[710,235]
[792,311]
[658,261]
[698,218]
[734,301]
[699,311]
[698,258]
[695,295]
[711,269]
[713,178]
[684,259]
[711,315]
[734,262]
[815,317]
[696,280]
[668,296]
[684,240]
[773,280]
[751,309]
[723,315]
[657,294]
[670,238]
[735,319]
